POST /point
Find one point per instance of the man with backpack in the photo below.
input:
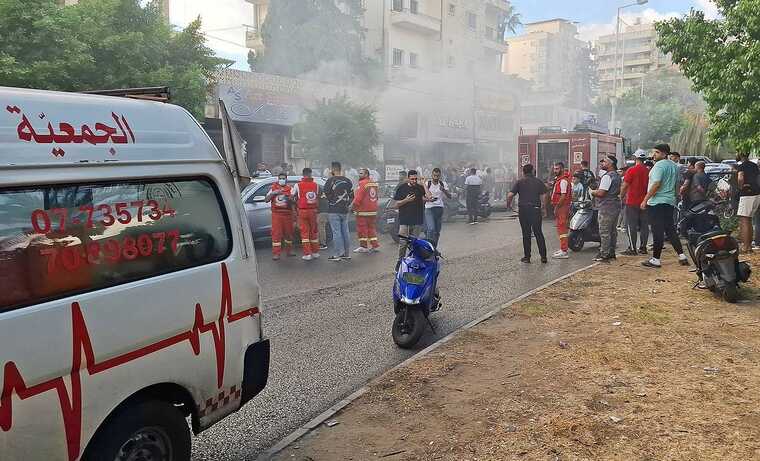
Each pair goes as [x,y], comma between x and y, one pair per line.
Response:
[434,207]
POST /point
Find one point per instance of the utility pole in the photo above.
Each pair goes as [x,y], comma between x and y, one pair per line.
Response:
[613,98]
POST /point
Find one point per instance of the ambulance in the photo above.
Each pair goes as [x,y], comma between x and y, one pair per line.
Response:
[129,302]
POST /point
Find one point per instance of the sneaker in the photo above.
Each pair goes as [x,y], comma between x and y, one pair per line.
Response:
[600,258]
[630,252]
[315,255]
[683,261]
[755,246]
[275,257]
[322,247]
[651,263]
[473,223]
[374,250]
[605,260]
[347,257]
[543,260]
[361,250]
[525,260]
[557,253]
[561,255]
[334,258]
[643,251]
[306,257]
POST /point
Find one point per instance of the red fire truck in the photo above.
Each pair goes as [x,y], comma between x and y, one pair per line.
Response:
[554,145]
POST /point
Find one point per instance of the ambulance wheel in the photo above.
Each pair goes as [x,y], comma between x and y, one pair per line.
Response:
[149,431]
[576,241]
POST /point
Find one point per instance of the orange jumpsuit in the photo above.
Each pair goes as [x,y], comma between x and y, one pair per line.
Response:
[365,206]
[282,219]
[307,192]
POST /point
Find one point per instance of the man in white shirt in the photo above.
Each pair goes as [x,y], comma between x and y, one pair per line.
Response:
[434,207]
[472,185]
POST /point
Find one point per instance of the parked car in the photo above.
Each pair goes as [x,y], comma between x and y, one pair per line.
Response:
[259,212]
[700,158]
[716,168]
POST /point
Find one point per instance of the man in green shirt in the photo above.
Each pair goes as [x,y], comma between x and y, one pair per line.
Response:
[660,203]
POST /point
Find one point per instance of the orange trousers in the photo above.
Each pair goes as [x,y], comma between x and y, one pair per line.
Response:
[309,227]
[282,232]
[562,217]
[366,229]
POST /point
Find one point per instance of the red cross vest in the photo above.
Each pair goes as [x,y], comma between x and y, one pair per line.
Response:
[308,194]
[557,192]
[281,202]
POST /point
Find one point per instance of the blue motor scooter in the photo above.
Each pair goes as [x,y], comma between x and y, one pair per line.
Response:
[415,292]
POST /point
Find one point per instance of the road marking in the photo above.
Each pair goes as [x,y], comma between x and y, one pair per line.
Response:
[335,408]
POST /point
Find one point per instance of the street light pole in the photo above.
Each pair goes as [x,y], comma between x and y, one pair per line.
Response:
[613,99]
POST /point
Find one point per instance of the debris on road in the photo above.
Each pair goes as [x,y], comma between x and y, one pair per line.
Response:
[332,423]
[615,419]
[564,345]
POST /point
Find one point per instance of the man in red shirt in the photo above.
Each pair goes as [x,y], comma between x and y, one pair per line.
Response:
[634,190]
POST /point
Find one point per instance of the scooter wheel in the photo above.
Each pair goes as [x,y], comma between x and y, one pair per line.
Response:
[408,327]
[730,294]
[576,241]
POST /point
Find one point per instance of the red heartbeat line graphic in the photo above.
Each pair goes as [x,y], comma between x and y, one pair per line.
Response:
[71,402]
[13,109]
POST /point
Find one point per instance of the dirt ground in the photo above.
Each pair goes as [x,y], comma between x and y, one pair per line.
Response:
[618,362]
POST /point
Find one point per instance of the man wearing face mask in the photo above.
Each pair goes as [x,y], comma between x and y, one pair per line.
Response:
[282,216]
[365,207]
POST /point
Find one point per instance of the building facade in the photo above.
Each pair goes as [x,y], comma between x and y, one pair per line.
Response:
[547,53]
[444,97]
[636,56]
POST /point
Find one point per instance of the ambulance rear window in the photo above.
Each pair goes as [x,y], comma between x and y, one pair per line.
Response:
[60,240]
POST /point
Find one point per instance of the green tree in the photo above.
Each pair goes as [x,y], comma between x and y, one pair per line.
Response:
[509,22]
[586,81]
[340,130]
[722,59]
[656,111]
[301,35]
[103,44]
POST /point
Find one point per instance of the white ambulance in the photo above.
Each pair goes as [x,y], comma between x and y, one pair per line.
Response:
[129,301]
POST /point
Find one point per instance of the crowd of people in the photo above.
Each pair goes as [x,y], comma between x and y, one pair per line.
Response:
[641,199]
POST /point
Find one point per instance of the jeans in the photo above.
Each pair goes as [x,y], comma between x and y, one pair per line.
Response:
[608,220]
[433,224]
[530,221]
[407,230]
[637,221]
[341,238]
[661,219]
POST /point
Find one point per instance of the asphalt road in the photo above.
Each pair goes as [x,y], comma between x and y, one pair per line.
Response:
[330,322]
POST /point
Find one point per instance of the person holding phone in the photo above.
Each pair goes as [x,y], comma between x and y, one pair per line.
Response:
[410,198]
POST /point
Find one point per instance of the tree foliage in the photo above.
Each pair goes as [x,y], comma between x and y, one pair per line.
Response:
[300,35]
[103,44]
[340,130]
[509,21]
[587,81]
[722,59]
[657,111]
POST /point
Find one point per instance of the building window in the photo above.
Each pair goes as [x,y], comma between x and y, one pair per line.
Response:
[413,60]
[398,5]
[472,20]
[414,6]
[452,9]
[452,62]
[86,237]
[398,57]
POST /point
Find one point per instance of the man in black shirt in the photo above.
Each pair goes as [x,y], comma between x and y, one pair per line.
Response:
[410,197]
[749,199]
[532,192]
[339,193]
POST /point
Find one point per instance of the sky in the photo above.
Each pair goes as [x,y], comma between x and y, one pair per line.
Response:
[224,20]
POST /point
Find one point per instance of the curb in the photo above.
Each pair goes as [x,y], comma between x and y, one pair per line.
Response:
[330,412]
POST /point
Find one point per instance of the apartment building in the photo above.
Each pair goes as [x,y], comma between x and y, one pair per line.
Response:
[253,30]
[546,53]
[637,56]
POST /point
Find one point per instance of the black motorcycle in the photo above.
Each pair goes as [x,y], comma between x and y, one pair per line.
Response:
[455,206]
[714,251]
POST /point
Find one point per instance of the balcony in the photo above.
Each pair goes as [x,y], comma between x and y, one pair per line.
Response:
[253,39]
[500,4]
[492,42]
[416,22]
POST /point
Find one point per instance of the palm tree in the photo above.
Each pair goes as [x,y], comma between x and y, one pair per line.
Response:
[510,21]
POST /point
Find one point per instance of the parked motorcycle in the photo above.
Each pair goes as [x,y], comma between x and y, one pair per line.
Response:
[714,251]
[584,226]
[415,291]
[456,206]
[389,221]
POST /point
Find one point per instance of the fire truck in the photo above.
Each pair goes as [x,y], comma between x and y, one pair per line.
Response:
[552,145]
